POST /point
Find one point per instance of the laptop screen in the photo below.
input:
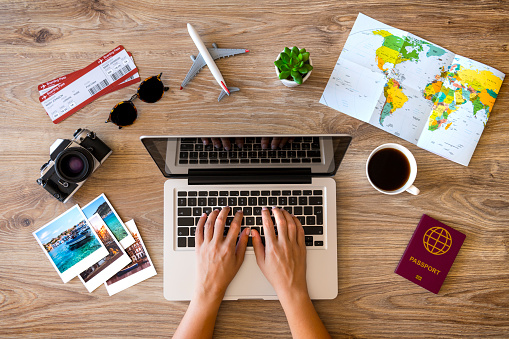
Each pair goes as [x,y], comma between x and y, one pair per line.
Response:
[180,156]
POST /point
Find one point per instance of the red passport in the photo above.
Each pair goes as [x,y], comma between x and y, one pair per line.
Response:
[430,254]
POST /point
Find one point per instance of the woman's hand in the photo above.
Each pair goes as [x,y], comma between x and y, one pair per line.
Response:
[218,259]
[283,259]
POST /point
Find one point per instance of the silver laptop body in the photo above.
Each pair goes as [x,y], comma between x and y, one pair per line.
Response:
[297,177]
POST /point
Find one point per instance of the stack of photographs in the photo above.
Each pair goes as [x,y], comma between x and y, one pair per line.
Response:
[94,244]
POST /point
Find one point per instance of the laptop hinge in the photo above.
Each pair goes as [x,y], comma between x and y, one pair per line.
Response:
[249,176]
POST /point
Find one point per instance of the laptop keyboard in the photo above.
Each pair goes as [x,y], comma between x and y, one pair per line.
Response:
[300,150]
[307,205]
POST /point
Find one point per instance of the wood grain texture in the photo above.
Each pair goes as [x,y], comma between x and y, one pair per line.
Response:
[40,40]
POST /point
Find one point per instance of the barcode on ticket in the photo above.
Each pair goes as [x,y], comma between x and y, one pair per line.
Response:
[120,73]
[98,87]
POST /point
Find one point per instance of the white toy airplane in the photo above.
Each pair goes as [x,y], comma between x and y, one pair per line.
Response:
[206,56]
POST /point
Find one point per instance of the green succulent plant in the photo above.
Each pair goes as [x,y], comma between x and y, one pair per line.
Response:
[293,62]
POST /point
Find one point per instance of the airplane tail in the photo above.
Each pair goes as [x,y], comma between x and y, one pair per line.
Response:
[223,92]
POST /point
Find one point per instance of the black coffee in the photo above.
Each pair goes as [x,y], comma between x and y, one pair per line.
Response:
[389,169]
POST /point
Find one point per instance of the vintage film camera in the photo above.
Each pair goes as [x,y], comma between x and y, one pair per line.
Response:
[71,163]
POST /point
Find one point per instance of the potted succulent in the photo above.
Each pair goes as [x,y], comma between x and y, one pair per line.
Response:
[293,66]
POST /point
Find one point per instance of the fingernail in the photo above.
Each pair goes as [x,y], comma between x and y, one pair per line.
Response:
[227,148]
[217,209]
[273,146]
[248,231]
[265,209]
[204,142]
[274,207]
[204,214]
[264,146]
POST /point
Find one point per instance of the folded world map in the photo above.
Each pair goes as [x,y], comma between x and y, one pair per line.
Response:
[413,89]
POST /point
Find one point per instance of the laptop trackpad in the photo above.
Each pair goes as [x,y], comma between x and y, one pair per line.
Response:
[250,283]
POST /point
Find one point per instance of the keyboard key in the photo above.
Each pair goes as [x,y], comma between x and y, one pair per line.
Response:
[223,155]
[308,210]
[272,201]
[257,210]
[183,161]
[229,221]
[203,193]
[292,200]
[236,209]
[319,219]
[252,201]
[232,201]
[265,193]
[315,201]
[203,155]
[275,161]
[193,155]
[250,221]
[313,154]
[182,194]
[212,201]
[302,220]
[192,193]
[190,242]
[193,162]
[197,211]
[184,211]
[317,192]
[185,221]
[262,201]
[223,193]
[222,201]
[182,241]
[306,160]
[307,192]
[287,192]
[181,201]
[187,140]
[213,193]
[207,210]
[182,231]
[283,201]
[308,238]
[318,210]
[318,243]
[296,192]
[242,201]
[310,243]
[288,209]
[313,230]
[186,147]
[193,231]
[297,210]
[202,201]
[191,202]
[247,211]
[276,192]
[255,193]
[213,155]
[234,193]
[244,193]
[303,200]
[310,220]
[259,221]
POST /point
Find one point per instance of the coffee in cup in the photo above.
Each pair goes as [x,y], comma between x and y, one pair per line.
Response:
[391,169]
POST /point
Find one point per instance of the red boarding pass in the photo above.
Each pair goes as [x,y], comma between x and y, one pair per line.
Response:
[109,70]
[68,78]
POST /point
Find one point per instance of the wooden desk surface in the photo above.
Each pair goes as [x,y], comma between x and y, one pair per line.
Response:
[41,40]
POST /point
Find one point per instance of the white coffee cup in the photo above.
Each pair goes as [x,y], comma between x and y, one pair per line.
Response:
[408,186]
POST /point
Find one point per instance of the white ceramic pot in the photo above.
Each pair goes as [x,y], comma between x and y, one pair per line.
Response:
[291,83]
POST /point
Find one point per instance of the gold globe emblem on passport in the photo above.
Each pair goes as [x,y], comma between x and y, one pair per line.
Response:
[437,240]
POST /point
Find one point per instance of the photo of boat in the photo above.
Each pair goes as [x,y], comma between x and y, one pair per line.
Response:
[78,238]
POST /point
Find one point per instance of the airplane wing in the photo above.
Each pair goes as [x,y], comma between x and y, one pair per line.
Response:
[215,53]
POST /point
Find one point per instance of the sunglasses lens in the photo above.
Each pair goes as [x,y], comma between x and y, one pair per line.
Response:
[151,90]
[123,114]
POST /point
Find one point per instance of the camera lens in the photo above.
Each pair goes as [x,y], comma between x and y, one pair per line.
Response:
[74,164]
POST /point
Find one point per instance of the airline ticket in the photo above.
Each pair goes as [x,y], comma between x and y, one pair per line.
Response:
[65,98]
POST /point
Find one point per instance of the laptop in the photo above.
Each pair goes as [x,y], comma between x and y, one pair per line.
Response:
[243,174]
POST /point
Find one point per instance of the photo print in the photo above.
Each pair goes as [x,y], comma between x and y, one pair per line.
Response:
[116,259]
[70,244]
[141,267]
[103,207]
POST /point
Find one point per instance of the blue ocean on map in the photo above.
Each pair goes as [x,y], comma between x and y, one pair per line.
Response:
[64,258]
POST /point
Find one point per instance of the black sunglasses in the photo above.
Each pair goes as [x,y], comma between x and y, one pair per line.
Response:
[125,113]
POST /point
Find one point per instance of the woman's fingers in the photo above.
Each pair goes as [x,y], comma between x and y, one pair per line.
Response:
[282,228]
[258,247]
[291,227]
[219,224]
[209,226]
[233,232]
[199,230]
[268,226]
